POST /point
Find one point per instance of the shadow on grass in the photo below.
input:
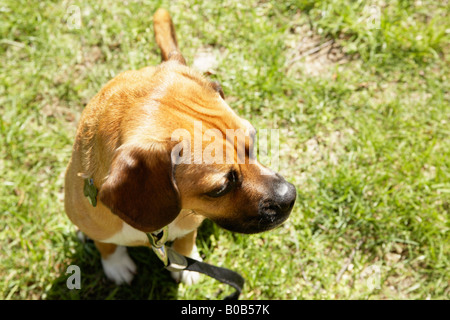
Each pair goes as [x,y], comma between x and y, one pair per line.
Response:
[151,282]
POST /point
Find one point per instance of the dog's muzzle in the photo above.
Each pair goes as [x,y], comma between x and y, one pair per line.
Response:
[273,209]
[276,208]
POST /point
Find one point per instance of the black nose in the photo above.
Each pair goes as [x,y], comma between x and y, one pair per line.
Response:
[276,208]
[284,196]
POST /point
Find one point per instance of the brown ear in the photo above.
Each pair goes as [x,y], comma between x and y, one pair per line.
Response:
[140,188]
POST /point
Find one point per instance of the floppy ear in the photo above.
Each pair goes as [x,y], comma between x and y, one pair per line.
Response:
[141,189]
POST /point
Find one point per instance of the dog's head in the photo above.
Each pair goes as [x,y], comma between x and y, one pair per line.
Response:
[189,150]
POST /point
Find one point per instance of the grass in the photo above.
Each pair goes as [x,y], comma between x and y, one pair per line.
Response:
[365,141]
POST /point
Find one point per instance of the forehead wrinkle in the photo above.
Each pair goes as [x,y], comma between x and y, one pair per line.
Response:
[246,149]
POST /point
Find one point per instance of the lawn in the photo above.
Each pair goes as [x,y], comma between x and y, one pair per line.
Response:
[358,89]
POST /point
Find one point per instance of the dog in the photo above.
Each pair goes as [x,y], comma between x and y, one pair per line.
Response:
[124,178]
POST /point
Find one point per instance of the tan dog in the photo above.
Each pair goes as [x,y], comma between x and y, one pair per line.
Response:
[125,148]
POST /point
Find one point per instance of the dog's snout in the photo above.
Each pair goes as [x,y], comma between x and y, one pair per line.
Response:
[273,208]
[276,208]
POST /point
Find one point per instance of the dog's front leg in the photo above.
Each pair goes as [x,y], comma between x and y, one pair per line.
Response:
[186,246]
[116,262]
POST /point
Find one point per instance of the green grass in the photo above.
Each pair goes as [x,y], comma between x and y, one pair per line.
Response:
[367,143]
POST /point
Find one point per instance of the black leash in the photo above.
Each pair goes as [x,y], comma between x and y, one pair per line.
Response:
[174,261]
[223,275]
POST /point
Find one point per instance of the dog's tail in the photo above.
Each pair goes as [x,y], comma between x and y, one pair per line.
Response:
[165,36]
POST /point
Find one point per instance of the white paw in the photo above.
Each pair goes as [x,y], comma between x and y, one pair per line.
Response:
[119,267]
[188,277]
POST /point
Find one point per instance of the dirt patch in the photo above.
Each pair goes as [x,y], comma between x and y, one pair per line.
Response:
[311,53]
[313,155]
[56,108]
[87,59]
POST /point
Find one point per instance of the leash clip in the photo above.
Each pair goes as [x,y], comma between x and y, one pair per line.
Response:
[173,261]
[158,240]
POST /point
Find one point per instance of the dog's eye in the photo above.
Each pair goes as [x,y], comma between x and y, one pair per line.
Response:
[221,191]
[227,187]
